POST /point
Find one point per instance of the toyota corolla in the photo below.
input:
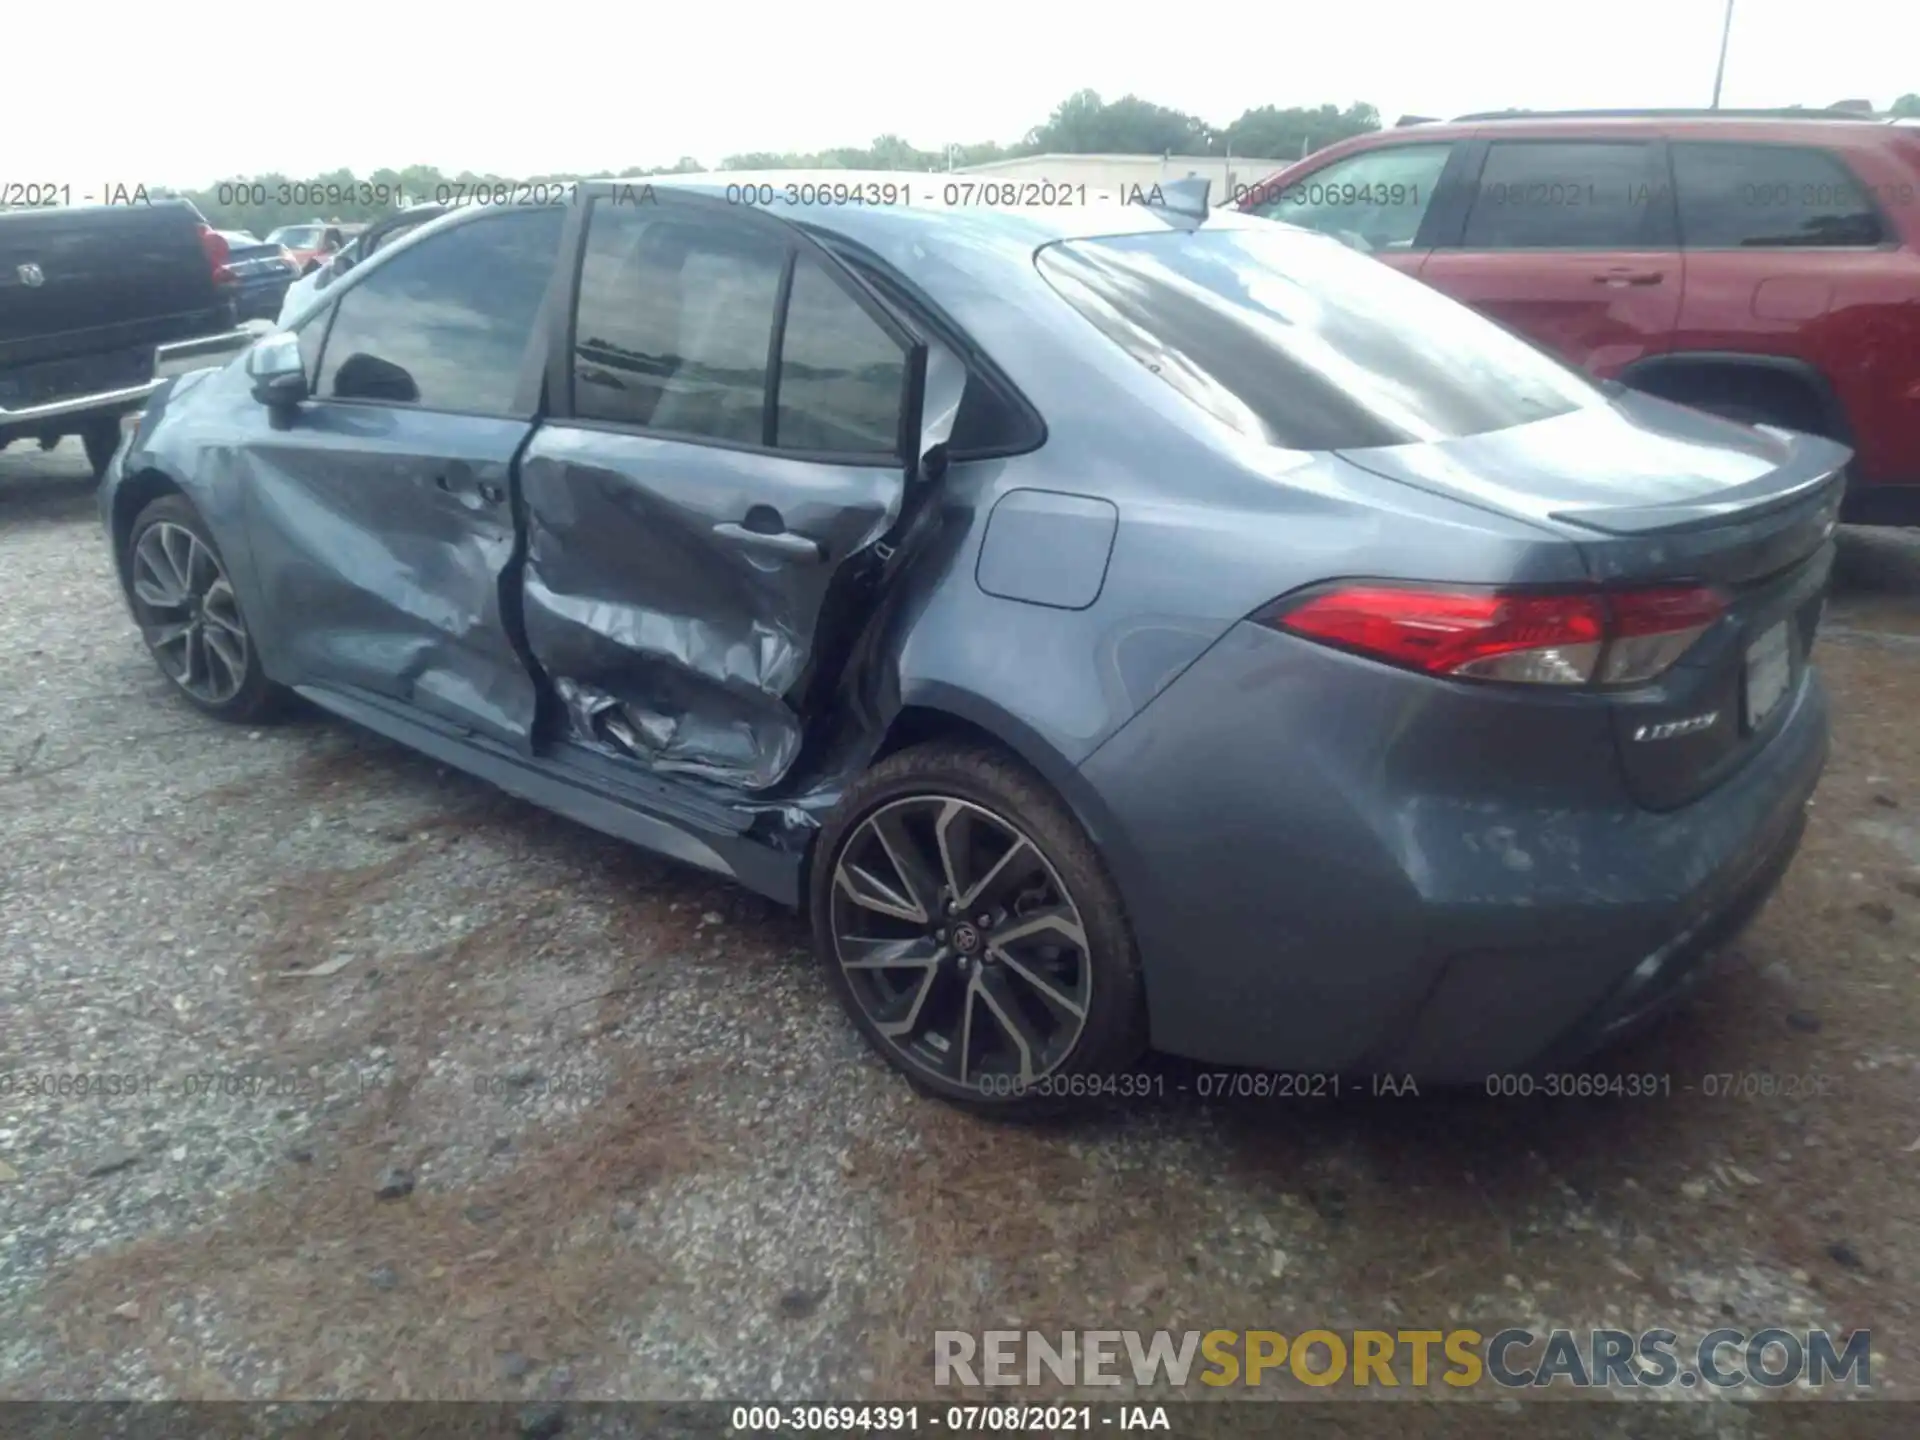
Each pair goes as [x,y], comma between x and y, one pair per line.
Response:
[1114,627]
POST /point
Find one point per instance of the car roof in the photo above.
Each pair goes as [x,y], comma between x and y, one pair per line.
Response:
[936,201]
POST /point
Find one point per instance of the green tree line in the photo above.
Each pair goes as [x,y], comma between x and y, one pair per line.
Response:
[1082,124]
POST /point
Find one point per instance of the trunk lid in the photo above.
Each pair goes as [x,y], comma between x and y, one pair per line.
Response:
[1654,493]
[257,262]
[90,279]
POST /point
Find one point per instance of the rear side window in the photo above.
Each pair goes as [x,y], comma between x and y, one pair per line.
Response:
[842,378]
[1566,195]
[1298,341]
[1766,196]
[445,324]
[993,418]
[675,324]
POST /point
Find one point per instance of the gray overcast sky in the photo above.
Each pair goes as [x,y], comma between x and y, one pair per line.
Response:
[158,95]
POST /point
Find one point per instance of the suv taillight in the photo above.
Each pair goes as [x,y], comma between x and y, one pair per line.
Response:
[1589,637]
[217,251]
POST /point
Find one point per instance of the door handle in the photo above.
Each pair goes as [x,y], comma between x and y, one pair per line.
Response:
[783,543]
[1618,278]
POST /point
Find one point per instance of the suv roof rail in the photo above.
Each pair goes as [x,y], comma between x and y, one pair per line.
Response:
[1416,120]
[1823,113]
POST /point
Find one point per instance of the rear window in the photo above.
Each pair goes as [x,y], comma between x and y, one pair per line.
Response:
[1297,341]
[1770,196]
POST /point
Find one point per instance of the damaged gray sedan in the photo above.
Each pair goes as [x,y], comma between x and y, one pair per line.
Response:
[1114,627]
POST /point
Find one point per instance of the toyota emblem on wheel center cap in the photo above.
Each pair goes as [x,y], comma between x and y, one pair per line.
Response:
[966,939]
[31,275]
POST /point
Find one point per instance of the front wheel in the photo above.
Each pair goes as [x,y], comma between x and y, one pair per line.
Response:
[190,616]
[971,930]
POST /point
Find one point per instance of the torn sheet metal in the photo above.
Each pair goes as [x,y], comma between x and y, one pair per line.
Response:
[636,728]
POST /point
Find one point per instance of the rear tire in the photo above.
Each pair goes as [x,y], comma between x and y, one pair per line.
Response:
[189,615]
[1018,994]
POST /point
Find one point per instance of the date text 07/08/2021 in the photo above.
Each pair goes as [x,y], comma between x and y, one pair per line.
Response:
[1317,1085]
[911,1419]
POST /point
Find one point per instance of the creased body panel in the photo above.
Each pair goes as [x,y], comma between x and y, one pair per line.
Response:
[667,640]
[381,572]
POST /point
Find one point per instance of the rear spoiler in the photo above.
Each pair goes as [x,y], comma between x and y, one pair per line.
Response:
[1759,497]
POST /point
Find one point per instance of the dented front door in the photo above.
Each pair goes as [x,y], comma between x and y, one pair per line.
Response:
[379,509]
[727,430]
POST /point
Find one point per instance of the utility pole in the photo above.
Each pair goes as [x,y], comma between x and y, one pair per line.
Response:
[1720,70]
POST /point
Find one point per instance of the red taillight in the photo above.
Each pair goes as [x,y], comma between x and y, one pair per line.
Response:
[217,250]
[1530,638]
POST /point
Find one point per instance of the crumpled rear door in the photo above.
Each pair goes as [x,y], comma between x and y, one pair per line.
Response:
[685,528]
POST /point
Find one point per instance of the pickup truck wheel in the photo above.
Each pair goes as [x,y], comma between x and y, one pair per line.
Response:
[101,440]
[190,616]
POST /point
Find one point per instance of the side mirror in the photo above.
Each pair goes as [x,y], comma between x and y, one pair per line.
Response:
[943,385]
[278,372]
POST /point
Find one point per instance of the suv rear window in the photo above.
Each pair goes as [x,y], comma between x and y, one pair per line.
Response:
[1297,341]
[1736,196]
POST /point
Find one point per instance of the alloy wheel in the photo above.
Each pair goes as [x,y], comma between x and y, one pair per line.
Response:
[191,617]
[960,942]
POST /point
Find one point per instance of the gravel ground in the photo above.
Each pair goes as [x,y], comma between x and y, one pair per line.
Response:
[546,1118]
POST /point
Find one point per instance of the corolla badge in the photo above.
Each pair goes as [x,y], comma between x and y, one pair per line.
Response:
[31,275]
[1692,725]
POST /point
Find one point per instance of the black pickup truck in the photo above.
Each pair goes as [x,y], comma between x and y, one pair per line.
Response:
[98,305]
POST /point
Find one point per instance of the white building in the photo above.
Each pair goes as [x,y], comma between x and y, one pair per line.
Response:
[1125,177]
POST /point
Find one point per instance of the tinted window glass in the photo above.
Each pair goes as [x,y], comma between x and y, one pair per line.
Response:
[1378,197]
[990,420]
[675,323]
[1741,195]
[445,324]
[1297,341]
[1536,195]
[842,377]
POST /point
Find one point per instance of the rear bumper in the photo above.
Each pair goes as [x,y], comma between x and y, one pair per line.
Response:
[1332,866]
[262,301]
[169,360]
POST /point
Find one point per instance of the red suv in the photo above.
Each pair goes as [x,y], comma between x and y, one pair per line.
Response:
[1757,265]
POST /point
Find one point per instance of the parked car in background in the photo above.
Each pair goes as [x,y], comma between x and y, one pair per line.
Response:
[261,274]
[311,245]
[1111,625]
[98,303]
[361,247]
[1763,265]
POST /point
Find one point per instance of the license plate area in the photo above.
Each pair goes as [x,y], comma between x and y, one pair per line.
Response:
[1769,672]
